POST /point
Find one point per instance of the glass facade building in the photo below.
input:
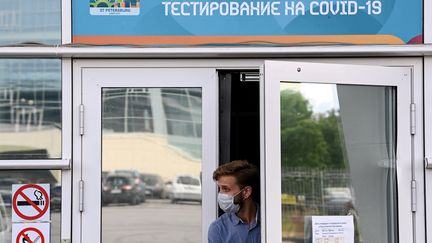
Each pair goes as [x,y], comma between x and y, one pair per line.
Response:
[30,22]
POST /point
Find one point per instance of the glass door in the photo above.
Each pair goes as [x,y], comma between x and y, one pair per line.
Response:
[338,166]
[148,151]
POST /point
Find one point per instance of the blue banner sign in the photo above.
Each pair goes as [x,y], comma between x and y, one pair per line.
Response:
[275,22]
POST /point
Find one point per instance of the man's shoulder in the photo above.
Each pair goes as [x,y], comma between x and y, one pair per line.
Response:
[221,221]
[219,228]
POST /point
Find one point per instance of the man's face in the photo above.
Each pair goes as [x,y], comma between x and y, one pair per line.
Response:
[228,185]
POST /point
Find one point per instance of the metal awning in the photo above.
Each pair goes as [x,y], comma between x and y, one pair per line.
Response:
[215,52]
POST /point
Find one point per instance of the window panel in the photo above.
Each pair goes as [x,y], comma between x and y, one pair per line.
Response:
[336,161]
[30,21]
[151,165]
[30,108]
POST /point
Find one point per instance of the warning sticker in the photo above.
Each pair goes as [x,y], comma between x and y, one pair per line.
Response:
[30,202]
[31,233]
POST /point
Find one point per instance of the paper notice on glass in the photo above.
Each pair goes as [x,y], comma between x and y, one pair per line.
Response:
[332,229]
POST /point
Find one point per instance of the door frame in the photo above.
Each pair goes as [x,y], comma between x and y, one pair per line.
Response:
[416,63]
[93,80]
[428,142]
[276,72]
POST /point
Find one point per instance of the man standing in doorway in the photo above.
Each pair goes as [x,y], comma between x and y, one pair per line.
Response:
[238,186]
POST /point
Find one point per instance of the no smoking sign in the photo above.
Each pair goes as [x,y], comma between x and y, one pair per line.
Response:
[30,202]
[30,233]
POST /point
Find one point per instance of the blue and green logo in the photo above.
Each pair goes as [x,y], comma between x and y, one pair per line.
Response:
[114,3]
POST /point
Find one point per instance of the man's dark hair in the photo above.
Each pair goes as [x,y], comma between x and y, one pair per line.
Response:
[246,174]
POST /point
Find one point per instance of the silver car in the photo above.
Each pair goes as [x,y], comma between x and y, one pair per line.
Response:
[184,188]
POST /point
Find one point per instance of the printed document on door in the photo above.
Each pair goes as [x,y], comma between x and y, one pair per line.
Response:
[332,229]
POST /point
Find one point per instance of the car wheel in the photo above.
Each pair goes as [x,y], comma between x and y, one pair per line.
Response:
[135,200]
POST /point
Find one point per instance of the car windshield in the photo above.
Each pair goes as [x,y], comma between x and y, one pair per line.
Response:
[150,179]
[337,192]
[187,180]
[117,181]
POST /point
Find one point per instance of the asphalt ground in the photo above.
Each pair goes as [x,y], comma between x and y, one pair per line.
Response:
[155,221]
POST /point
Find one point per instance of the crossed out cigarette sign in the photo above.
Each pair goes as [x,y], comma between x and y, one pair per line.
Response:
[30,202]
[30,213]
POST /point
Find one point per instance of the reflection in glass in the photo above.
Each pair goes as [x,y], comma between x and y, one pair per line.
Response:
[30,108]
[10,177]
[151,162]
[338,158]
[24,21]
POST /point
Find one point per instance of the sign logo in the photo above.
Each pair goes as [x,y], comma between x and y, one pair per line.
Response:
[30,233]
[30,202]
[114,7]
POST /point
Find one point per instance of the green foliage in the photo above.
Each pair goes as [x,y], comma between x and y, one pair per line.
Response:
[294,108]
[308,141]
[304,145]
[329,126]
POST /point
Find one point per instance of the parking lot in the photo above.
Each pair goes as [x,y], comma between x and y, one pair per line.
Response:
[155,221]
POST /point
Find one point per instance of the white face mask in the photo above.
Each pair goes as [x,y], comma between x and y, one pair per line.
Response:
[226,202]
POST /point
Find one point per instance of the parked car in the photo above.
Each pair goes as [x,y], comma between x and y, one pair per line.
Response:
[121,188]
[6,196]
[337,200]
[133,173]
[104,176]
[137,180]
[55,200]
[5,223]
[184,188]
[6,191]
[154,185]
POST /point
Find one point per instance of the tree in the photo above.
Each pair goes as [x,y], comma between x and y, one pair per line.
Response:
[329,126]
[307,140]
[294,108]
[303,145]
[302,142]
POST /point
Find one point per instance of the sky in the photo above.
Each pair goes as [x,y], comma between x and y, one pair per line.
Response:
[321,97]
